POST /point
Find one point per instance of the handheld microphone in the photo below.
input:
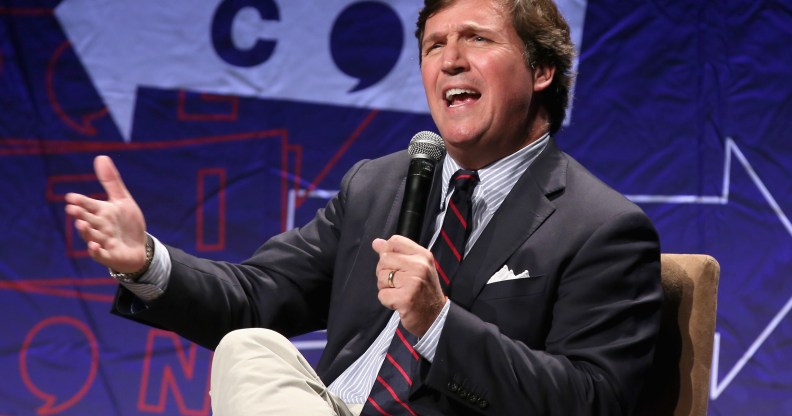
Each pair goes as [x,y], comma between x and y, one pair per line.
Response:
[426,149]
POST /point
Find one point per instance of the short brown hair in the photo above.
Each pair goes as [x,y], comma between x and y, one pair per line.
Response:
[546,37]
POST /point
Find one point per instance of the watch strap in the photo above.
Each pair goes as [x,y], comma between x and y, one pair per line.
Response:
[132,277]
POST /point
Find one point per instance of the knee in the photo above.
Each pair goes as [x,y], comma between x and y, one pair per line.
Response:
[249,337]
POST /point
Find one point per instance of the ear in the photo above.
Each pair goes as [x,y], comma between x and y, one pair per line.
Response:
[542,77]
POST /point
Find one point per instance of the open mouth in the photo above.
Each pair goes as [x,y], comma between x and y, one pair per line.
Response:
[456,97]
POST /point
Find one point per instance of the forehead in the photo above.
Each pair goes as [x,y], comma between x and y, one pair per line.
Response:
[469,13]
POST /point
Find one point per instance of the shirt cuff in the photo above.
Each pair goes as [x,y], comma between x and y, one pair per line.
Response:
[152,284]
[427,345]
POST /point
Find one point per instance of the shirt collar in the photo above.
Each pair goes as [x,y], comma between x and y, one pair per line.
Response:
[504,171]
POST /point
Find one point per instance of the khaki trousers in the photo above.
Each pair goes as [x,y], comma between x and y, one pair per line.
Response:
[259,372]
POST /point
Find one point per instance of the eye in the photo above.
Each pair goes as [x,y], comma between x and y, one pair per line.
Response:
[477,38]
[429,48]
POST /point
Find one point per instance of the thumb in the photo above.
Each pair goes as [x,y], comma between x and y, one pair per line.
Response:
[380,246]
[110,179]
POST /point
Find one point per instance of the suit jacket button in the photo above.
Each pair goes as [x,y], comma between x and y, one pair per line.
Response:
[463,394]
[453,387]
[473,398]
[483,404]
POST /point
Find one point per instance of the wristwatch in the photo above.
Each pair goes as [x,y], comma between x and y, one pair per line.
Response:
[131,277]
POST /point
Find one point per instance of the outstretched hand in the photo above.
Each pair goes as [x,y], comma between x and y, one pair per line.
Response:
[415,291]
[114,230]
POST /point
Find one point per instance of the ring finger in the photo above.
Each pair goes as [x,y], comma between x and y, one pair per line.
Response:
[89,233]
[387,279]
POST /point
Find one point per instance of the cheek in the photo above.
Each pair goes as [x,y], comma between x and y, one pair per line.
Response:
[428,76]
[516,89]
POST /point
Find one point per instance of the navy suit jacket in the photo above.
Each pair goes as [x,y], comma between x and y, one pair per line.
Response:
[575,338]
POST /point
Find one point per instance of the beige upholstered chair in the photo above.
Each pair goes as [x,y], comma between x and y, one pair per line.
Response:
[680,377]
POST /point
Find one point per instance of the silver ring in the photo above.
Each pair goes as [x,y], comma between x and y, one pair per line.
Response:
[390,279]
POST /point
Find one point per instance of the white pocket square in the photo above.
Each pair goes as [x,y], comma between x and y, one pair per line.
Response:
[506,273]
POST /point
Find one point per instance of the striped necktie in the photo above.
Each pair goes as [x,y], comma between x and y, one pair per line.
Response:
[449,248]
[390,390]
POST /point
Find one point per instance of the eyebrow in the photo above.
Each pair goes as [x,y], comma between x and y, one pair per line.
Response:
[462,28]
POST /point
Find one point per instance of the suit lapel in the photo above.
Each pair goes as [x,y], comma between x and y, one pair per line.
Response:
[523,211]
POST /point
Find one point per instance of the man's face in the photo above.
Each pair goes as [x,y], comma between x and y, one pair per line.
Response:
[477,83]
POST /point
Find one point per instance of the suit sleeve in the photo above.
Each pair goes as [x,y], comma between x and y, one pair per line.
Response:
[284,286]
[600,342]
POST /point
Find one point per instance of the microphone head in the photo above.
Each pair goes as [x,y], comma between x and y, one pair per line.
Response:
[426,145]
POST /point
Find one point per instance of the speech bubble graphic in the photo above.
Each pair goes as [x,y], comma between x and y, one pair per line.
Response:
[51,403]
[366,42]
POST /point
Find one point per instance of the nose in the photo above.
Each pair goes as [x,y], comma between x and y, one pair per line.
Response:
[454,58]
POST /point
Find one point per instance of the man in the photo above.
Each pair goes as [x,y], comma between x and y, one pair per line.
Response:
[554,307]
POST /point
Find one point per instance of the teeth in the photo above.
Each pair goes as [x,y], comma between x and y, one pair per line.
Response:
[457,91]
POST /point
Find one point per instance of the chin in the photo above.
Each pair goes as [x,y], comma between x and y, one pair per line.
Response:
[459,138]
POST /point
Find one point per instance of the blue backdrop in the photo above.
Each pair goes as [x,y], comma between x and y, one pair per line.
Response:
[234,120]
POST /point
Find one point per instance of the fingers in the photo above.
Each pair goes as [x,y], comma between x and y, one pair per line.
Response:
[409,260]
[110,179]
[90,219]
[398,296]
[399,244]
[391,275]
[98,252]
[387,279]
[82,202]
[398,249]
[96,240]
[90,233]
[407,282]
[80,213]
[380,246]
[406,268]
[390,299]
[88,213]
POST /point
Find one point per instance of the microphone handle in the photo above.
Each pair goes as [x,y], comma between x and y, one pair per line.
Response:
[416,194]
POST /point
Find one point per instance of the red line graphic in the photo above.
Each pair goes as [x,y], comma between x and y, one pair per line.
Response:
[29,147]
[187,364]
[184,115]
[70,250]
[49,407]
[284,185]
[53,196]
[344,147]
[52,181]
[69,289]
[295,150]
[201,244]
[86,127]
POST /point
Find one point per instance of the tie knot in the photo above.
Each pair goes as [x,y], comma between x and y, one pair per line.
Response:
[465,180]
